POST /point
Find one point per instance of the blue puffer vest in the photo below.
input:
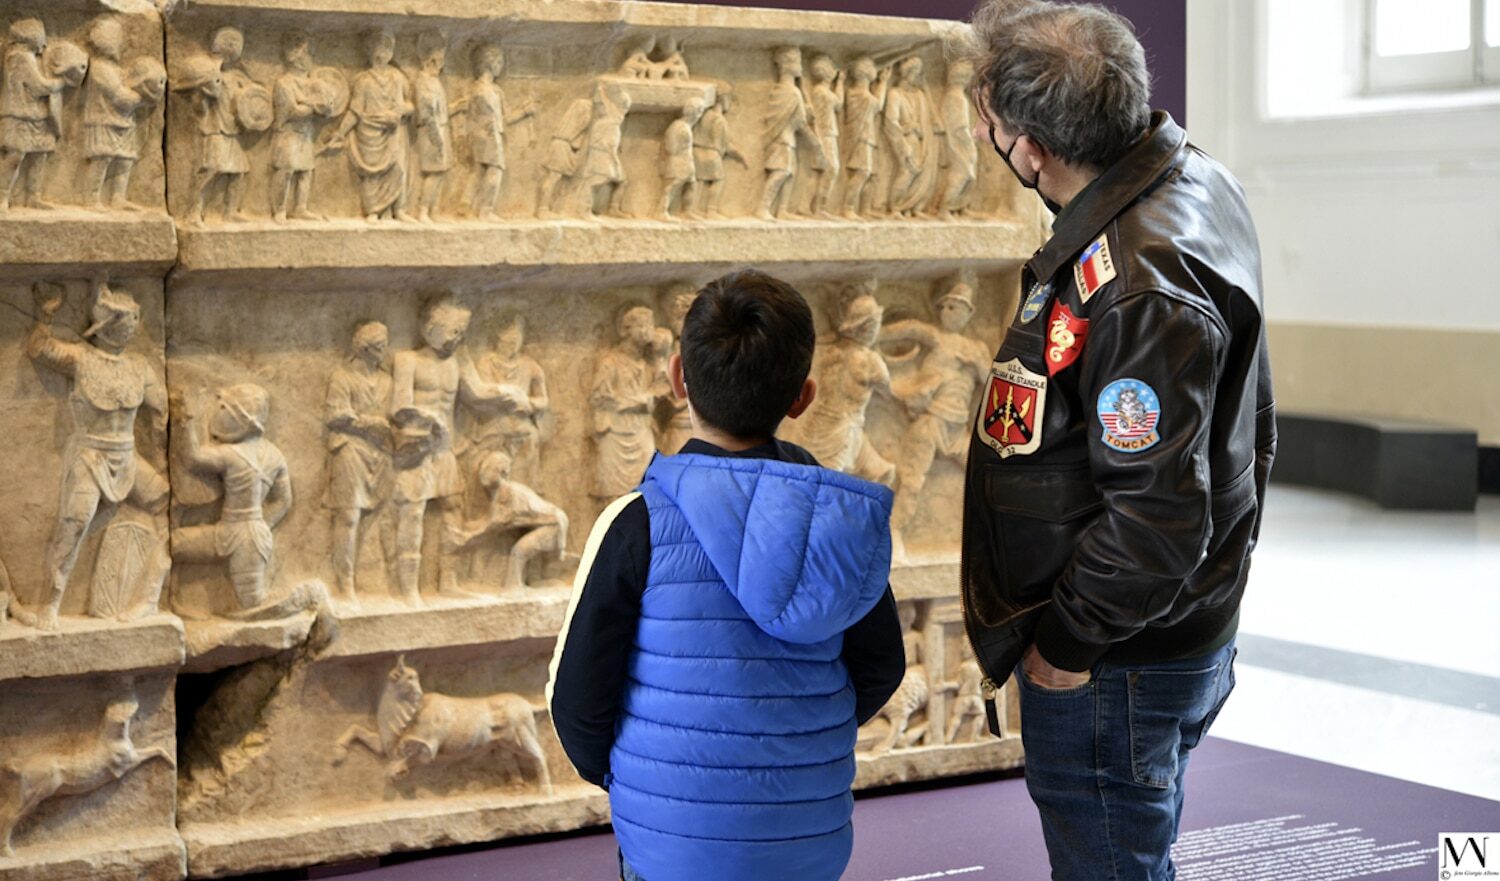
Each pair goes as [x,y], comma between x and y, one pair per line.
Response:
[734,753]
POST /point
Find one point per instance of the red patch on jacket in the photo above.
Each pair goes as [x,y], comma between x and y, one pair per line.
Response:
[1066,333]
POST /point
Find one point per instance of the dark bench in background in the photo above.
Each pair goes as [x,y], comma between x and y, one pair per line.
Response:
[1396,464]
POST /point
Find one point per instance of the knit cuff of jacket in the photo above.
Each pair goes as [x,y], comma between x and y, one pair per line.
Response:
[1060,648]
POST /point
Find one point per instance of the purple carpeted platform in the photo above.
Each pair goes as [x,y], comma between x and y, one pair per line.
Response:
[1251,813]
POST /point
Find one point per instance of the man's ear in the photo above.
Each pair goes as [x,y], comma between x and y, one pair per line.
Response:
[674,372]
[1034,154]
[804,399]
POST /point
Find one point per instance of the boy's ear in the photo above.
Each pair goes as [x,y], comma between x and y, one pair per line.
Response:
[804,399]
[674,372]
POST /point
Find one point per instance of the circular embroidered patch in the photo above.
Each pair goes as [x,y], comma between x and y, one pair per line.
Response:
[1035,300]
[1131,414]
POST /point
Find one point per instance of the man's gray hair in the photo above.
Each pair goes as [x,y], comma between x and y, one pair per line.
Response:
[1072,77]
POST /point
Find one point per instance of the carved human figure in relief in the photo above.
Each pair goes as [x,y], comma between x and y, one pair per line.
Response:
[414,728]
[864,108]
[359,446]
[565,154]
[677,159]
[786,121]
[968,701]
[431,122]
[487,121]
[428,385]
[30,113]
[912,694]
[676,424]
[112,100]
[704,196]
[300,107]
[101,468]
[512,422]
[825,102]
[909,129]
[374,128]
[257,490]
[31,779]
[960,154]
[630,378]
[603,173]
[512,508]
[849,372]
[217,82]
[938,395]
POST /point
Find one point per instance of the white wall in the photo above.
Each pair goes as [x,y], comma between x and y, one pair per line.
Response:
[1387,220]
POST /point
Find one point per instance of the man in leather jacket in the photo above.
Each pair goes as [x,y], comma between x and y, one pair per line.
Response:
[1119,458]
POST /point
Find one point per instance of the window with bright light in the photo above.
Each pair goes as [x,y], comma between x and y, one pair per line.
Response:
[1413,45]
[1324,58]
[1420,27]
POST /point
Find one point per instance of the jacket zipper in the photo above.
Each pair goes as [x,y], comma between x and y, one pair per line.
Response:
[988,690]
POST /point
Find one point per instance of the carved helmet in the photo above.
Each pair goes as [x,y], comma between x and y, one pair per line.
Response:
[249,405]
[857,306]
[109,308]
[959,288]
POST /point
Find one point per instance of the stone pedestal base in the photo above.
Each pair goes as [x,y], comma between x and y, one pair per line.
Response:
[216,849]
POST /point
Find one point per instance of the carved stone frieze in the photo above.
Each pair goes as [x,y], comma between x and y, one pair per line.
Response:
[333,324]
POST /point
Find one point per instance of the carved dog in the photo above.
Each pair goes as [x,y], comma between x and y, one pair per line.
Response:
[415,728]
[27,782]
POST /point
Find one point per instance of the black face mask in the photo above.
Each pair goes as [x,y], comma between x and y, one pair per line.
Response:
[1027,184]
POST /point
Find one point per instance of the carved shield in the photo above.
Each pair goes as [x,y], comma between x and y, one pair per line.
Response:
[253,108]
[331,91]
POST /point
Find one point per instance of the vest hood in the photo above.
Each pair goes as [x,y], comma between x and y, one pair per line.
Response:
[805,550]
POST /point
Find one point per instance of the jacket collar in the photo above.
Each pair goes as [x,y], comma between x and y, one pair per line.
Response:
[1111,193]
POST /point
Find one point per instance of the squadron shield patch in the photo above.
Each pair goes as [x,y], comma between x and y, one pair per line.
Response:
[1035,300]
[1095,269]
[1131,415]
[1010,420]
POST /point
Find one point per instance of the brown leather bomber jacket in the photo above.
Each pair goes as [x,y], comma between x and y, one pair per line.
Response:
[1119,459]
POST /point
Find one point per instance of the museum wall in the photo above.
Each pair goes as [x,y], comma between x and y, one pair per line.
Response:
[1379,233]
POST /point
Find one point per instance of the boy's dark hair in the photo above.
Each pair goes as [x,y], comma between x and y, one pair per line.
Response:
[747,347]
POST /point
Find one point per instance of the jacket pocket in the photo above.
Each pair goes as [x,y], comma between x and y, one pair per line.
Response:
[1031,522]
[1037,518]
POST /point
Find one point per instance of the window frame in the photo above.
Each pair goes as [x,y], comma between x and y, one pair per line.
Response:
[1476,67]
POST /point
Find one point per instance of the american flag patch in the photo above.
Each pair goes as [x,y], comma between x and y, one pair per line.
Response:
[1095,269]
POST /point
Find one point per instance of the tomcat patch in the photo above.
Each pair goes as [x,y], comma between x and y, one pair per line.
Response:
[1130,412]
[1010,419]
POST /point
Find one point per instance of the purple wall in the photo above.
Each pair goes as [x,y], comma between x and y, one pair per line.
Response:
[1161,24]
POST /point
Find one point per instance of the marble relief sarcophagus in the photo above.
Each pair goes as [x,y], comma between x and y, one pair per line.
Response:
[333,324]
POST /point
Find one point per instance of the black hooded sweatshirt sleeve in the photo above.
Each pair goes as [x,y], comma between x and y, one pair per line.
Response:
[593,666]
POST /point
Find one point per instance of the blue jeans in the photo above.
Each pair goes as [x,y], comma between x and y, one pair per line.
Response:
[626,872]
[1105,762]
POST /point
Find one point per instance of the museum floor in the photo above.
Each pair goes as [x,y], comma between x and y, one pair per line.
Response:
[1368,639]
[1367,645]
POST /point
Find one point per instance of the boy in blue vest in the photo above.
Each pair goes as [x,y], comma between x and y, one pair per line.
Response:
[733,625]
